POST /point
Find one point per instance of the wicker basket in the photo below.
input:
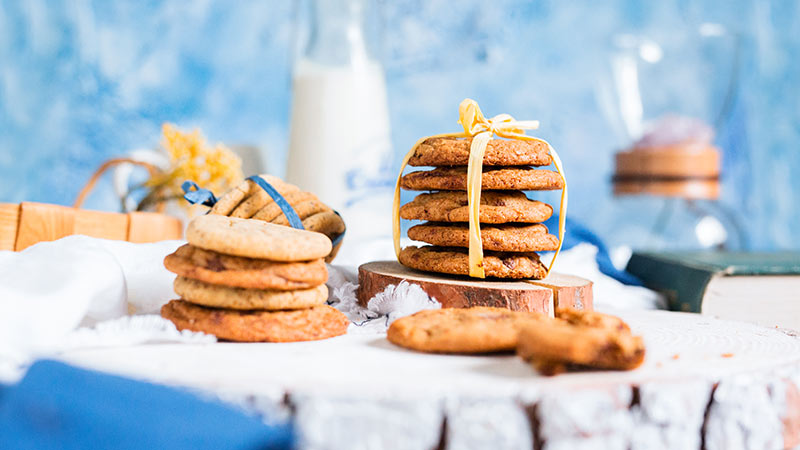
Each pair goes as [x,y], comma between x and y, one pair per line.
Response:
[25,224]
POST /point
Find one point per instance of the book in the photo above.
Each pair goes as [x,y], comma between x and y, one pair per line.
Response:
[762,288]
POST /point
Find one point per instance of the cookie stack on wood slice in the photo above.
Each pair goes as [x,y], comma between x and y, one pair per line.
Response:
[250,201]
[252,281]
[511,228]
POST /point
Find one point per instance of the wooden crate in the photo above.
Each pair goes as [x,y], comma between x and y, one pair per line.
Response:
[25,224]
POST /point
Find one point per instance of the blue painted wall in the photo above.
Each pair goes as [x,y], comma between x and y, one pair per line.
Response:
[82,81]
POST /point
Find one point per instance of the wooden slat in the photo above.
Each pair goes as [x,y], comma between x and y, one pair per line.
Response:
[42,222]
[153,227]
[99,224]
[9,219]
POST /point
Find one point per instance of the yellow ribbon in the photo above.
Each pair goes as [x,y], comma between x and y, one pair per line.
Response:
[481,129]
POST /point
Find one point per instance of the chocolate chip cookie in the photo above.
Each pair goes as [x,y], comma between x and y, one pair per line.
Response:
[496,178]
[502,238]
[443,151]
[219,296]
[495,207]
[235,271]
[455,261]
[580,340]
[319,322]
[256,239]
[480,329]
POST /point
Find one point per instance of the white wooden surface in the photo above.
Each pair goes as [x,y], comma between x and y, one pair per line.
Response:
[728,381]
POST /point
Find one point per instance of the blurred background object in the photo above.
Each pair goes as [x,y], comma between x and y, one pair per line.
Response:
[667,98]
[85,81]
[339,139]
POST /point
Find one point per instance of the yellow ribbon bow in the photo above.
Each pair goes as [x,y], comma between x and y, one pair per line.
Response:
[481,129]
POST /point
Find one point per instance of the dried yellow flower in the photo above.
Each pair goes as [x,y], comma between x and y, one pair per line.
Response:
[216,168]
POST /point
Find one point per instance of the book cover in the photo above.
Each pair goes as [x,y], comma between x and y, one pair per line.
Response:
[683,276]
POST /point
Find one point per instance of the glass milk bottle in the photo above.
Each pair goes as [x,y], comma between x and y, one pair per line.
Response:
[339,143]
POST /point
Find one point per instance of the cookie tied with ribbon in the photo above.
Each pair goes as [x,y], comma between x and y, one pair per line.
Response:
[478,179]
[268,198]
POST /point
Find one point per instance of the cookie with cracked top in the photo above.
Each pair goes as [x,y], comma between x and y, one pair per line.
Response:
[495,207]
[219,296]
[449,151]
[479,329]
[319,322]
[455,261]
[493,178]
[501,238]
[236,271]
[580,340]
[256,239]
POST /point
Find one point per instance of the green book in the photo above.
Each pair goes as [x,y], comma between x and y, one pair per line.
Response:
[756,287]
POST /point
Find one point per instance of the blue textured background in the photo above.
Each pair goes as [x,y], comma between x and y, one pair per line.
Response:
[82,81]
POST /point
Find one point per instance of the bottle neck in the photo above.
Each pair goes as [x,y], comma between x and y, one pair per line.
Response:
[337,32]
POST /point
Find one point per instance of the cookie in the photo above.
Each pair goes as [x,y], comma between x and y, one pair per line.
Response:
[444,151]
[502,238]
[218,296]
[495,207]
[455,261]
[235,271]
[319,322]
[330,224]
[497,178]
[258,197]
[233,198]
[305,210]
[558,345]
[256,239]
[272,211]
[592,319]
[480,329]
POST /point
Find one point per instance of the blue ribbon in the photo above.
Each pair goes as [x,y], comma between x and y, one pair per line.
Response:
[207,198]
[288,211]
[339,238]
[198,195]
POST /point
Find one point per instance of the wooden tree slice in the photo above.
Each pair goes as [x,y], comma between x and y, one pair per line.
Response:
[462,292]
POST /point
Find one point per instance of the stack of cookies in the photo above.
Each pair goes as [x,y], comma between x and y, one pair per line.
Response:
[250,201]
[511,228]
[252,281]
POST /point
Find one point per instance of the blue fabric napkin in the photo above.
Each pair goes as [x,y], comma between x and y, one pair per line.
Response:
[57,406]
[575,233]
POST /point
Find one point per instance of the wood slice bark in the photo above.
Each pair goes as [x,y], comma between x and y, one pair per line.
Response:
[462,292]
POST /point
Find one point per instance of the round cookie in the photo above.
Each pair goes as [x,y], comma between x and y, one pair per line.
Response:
[218,296]
[256,239]
[271,210]
[495,207]
[496,178]
[231,199]
[304,210]
[319,322]
[480,329]
[502,238]
[330,224]
[455,261]
[592,319]
[592,343]
[235,271]
[258,197]
[443,151]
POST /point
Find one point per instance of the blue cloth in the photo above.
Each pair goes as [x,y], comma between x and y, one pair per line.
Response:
[577,233]
[57,406]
